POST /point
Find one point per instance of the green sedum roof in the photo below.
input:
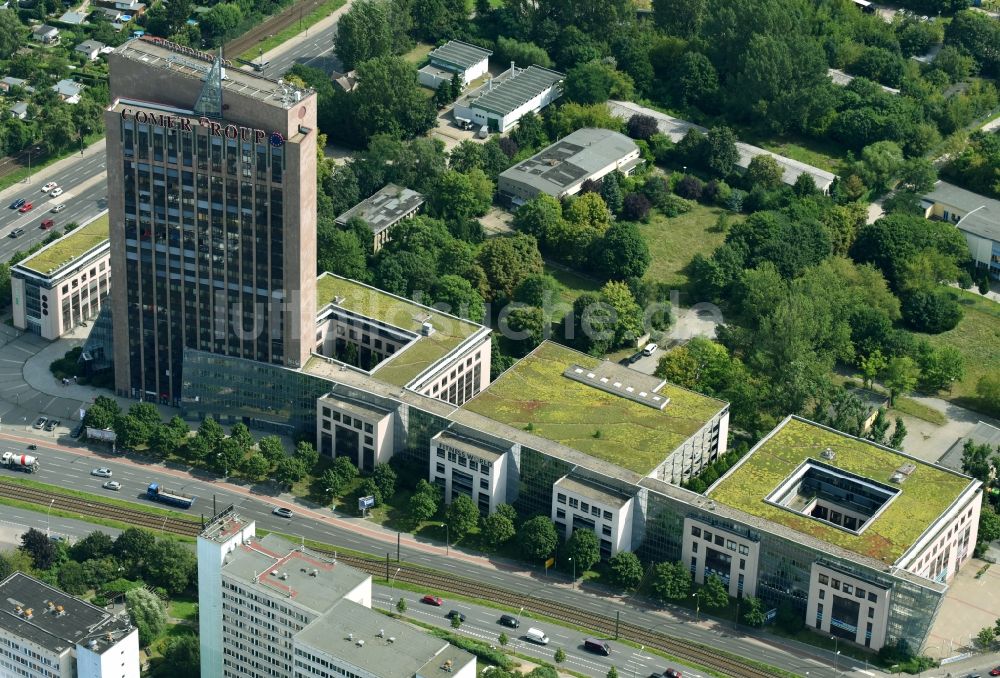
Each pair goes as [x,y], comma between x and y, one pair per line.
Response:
[403,367]
[67,248]
[632,435]
[922,498]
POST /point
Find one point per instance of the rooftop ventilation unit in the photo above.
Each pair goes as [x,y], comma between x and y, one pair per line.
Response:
[828,454]
[426,329]
[338,300]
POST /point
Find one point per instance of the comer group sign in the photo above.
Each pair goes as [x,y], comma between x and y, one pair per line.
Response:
[214,128]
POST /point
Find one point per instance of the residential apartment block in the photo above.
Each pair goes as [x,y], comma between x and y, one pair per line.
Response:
[268,607]
[63,284]
[48,633]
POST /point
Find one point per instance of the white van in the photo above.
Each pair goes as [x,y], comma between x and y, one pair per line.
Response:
[649,349]
[537,636]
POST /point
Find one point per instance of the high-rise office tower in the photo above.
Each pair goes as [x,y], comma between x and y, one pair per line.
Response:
[212,202]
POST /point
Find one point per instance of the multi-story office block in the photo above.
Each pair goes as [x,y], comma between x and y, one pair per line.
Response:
[48,633]
[63,284]
[471,467]
[212,201]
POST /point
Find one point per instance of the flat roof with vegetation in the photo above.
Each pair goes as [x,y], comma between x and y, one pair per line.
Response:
[534,395]
[71,246]
[405,365]
[923,496]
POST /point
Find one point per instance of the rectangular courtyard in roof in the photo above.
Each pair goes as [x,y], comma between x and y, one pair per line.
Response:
[605,421]
[844,490]
[335,294]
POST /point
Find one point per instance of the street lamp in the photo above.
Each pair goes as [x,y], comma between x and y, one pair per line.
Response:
[573,562]
[225,464]
[48,519]
[836,653]
[392,588]
[447,539]
[697,607]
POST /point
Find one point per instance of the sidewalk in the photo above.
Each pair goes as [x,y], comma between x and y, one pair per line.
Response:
[294,41]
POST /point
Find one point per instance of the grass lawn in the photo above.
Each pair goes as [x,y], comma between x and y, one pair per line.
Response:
[673,242]
[816,152]
[977,337]
[418,54]
[184,609]
[571,286]
[913,408]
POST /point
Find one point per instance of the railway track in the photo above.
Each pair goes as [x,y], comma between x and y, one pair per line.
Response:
[272,25]
[682,649]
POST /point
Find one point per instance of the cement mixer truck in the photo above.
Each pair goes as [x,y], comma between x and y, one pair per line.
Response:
[20,462]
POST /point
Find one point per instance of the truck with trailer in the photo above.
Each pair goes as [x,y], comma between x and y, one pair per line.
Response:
[19,462]
[156,492]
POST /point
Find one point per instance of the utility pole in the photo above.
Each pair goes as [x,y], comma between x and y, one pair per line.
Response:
[387,567]
[618,617]
[397,544]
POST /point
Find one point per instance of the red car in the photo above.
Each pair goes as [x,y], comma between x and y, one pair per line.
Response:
[671,673]
[26,207]
[432,600]
[995,672]
[47,224]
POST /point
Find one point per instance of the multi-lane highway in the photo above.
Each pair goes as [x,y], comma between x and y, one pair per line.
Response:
[65,465]
[85,196]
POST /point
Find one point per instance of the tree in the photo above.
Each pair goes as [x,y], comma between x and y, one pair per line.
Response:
[931,310]
[872,365]
[538,538]
[522,53]
[73,578]
[364,32]
[612,672]
[167,439]
[255,467]
[636,207]
[988,390]
[898,434]
[148,613]
[385,477]
[289,471]
[695,81]
[629,320]
[978,460]
[506,261]
[623,252]
[595,82]
[538,217]
[401,605]
[341,252]
[307,454]
[132,547]
[713,594]
[172,565]
[918,175]
[754,614]
[720,151]
[219,21]
[765,172]
[183,655]
[388,99]
[642,126]
[584,549]
[94,546]
[457,196]
[497,529]
[671,581]
[10,33]
[941,367]
[900,376]
[345,468]
[611,191]
[422,506]
[462,516]
[538,289]
[211,432]
[986,636]
[272,448]
[41,549]
[626,570]
[989,525]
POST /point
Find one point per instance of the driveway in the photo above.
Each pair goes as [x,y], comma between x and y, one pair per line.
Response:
[929,441]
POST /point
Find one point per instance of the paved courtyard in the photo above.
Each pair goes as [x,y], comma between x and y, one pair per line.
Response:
[970,605]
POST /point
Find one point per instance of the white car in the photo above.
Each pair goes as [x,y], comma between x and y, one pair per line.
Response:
[49,186]
[112,485]
[57,192]
[101,472]
[59,208]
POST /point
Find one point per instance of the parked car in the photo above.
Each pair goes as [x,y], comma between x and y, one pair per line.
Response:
[102,472]
[59,208]
[17,203]
[282,512]
[509,621]
[452,614]
[47,224]
[77,431]
[432,600]
[40,422]
[49,186]
[57,192]
[112,485]
[26,207]
[649,349]
[51,425]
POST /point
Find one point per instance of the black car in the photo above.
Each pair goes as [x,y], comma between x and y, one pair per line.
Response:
[77,431]
[452,614]
[16,205]
[509,621]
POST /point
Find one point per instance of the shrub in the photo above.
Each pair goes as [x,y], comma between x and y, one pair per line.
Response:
[689,187]
[636,208]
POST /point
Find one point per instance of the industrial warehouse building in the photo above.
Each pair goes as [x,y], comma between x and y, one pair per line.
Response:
[561,169]
[500,103]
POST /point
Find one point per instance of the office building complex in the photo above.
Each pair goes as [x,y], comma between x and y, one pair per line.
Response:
[63,284]
[50,634]
[976,216]
[384,209]
[270,608]
[212,201]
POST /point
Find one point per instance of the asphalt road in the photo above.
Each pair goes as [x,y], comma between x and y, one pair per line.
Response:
[64,468]
[315,51]
[85,197]
[482,623]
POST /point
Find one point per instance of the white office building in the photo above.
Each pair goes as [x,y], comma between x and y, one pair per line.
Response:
[50,634]
[584,504]
[463,466]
